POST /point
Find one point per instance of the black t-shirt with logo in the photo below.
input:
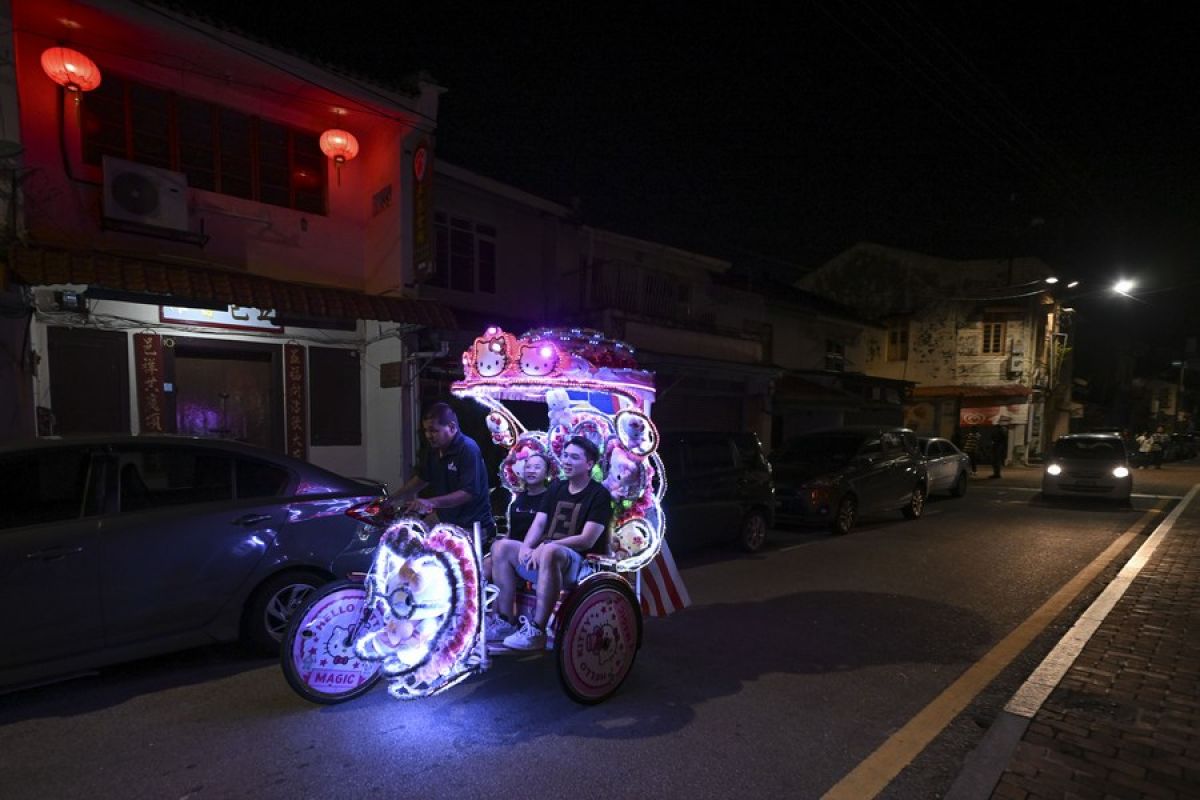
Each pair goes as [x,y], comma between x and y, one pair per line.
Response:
[522,512]
[567,513]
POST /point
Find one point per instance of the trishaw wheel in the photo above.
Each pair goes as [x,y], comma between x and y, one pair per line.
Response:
[318,649]
[598,639]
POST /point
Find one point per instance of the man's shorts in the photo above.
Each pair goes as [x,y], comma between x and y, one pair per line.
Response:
[577,569]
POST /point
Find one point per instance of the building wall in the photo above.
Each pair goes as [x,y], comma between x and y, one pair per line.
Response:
[536,243]
[345,247]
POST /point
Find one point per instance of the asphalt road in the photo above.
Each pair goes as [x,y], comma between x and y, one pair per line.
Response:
[792,667]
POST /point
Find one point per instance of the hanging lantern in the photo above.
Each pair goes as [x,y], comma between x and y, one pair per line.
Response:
[339,145]
[71,69]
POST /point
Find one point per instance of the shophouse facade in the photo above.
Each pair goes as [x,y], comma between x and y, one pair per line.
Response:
[982,341]
[195,246]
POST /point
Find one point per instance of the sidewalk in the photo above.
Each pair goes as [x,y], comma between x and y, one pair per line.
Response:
[1124,719]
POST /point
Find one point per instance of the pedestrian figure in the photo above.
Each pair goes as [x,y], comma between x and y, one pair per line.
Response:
[971,446]
[1158,443]
[999,449]
[1145,444]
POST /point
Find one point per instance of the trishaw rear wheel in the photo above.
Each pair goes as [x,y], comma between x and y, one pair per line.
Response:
[318,655]
[598,640]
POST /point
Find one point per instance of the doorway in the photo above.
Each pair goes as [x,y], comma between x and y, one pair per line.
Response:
[228,390]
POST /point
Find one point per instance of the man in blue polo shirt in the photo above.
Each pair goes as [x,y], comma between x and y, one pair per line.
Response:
[452,467]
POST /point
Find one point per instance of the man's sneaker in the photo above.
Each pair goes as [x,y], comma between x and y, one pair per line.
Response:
[527,637]
[498,628]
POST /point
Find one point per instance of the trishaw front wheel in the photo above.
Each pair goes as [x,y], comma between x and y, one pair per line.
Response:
[318,655]
[598,639]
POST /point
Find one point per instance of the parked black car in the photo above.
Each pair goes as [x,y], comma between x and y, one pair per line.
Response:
[719,489]
[835,476]
[121,547]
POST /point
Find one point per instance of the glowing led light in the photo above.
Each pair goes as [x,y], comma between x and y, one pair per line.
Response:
[1121,472]
[1123,286]
[1054,469]
[425,586]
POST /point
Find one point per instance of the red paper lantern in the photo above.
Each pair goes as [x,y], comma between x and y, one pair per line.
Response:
[339,145]
[71,69]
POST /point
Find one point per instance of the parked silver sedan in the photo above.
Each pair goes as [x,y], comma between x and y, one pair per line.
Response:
[121,547]
[948,467]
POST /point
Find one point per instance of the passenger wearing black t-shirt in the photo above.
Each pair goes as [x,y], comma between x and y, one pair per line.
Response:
[535,477]
[573,520]
[525,505]
[453,469]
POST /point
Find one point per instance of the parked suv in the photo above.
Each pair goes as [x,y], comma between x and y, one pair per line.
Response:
[719,489]
[834,476]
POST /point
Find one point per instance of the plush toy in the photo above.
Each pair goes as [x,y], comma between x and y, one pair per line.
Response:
[626,476]
[501,429]
[631,539]
[636,432]
[558,407]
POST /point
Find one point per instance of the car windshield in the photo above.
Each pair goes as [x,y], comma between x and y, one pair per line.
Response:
[822,447]
[1090,449]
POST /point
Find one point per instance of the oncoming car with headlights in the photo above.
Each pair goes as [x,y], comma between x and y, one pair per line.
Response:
[1088,465]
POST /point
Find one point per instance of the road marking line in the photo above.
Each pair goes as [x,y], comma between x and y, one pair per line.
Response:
[877,770]
[1033,693]
[1035,490]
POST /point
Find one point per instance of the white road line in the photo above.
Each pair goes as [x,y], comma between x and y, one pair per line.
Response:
[1029,698]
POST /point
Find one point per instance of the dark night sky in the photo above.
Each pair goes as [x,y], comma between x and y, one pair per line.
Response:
[794,133]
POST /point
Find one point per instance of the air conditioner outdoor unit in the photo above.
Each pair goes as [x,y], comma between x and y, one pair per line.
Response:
[145,195]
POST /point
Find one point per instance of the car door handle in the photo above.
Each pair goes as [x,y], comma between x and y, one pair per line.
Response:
[54,553]
[251,519]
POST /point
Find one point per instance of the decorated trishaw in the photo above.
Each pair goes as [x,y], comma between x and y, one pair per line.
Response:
[418,618]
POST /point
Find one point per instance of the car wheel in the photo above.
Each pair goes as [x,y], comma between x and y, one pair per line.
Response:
[843,518]
[753,533]
[272,605]
[916,503]
[960,485]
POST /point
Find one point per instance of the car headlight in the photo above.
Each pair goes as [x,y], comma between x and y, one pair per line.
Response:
[1054,469]
[1120,472]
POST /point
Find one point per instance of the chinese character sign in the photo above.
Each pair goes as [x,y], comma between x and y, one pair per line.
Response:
[422,163]
[294,397]
[148,370]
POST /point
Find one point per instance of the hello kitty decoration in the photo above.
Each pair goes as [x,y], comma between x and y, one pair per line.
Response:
[626,476]
[524,368]
[501,428]
[636,432]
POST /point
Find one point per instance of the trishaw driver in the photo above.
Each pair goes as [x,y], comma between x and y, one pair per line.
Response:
[572,521]
[452,466]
